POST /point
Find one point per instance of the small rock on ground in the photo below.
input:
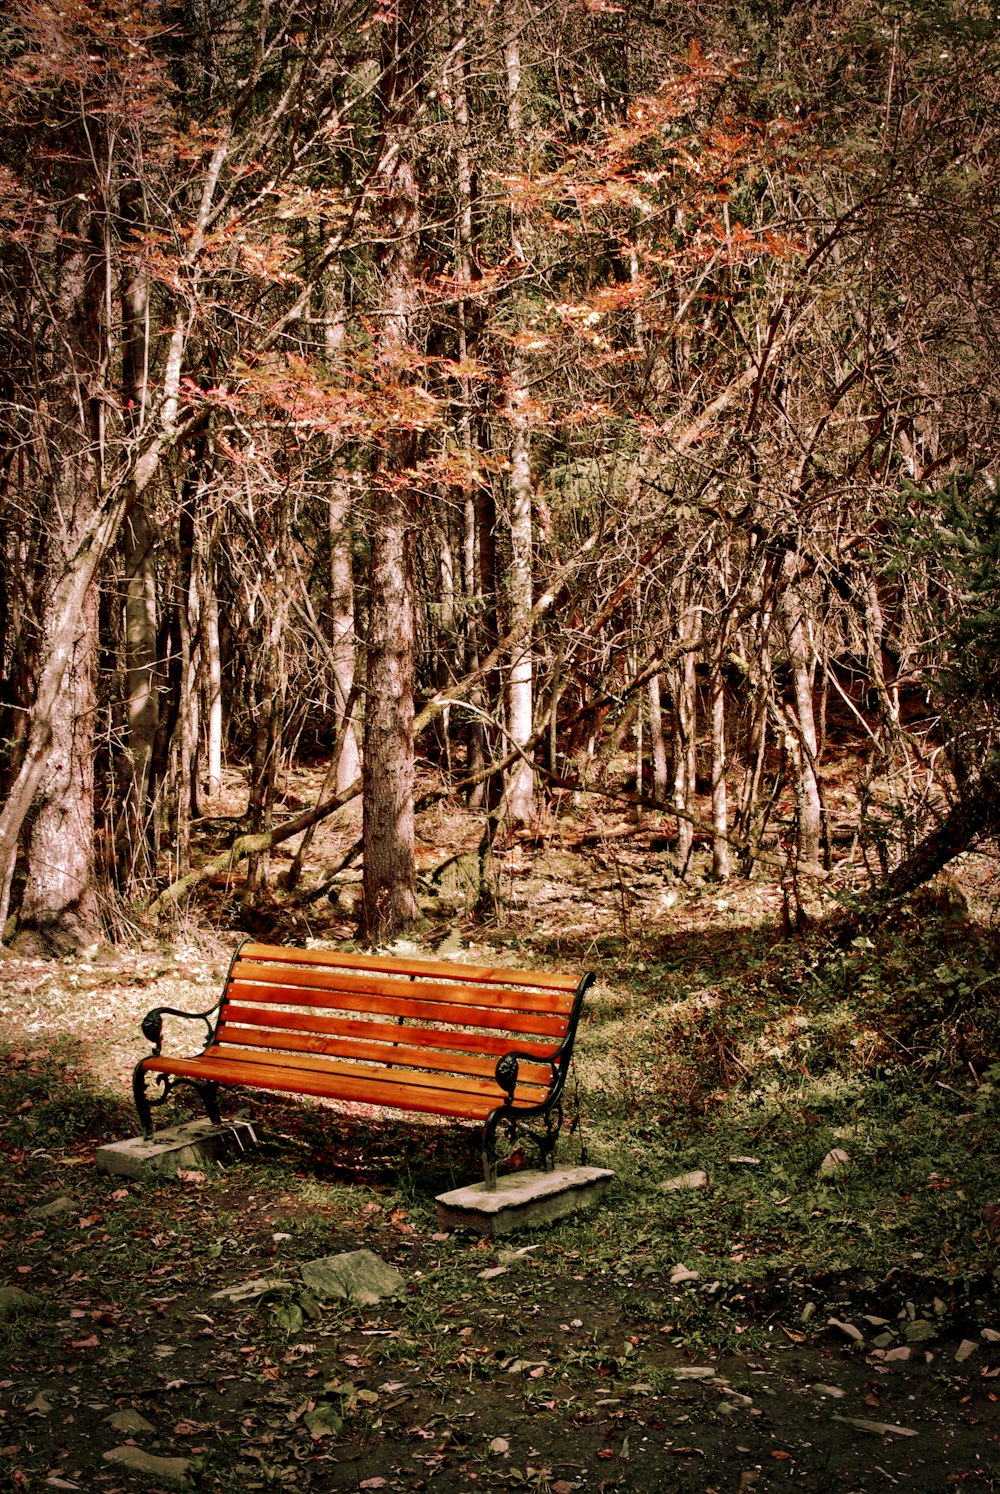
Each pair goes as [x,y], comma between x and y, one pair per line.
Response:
[696,1179]
[257,1286]
[129,1420]
[53,1209]
[356,1276]
[173,1471]
[14,1300]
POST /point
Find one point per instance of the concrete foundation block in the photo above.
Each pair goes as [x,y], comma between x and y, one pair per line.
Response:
[521,1200]
[189,1145]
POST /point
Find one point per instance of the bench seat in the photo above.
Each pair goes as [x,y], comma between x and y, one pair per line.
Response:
[476,1043]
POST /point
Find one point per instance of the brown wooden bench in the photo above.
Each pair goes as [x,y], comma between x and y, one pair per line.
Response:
[468,1041]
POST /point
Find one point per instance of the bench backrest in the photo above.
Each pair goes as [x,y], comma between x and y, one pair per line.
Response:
[443,1018]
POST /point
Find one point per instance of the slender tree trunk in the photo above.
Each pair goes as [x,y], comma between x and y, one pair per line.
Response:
[685,742]
[138,538]
[389,877]
[342,630]
[720,815]
[657,743]
[809,803]
[211,648]
[521,781]
[520,785]
[140,683]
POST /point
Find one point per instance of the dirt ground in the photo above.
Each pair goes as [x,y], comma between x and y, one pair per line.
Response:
[505,1365]
[554,1362]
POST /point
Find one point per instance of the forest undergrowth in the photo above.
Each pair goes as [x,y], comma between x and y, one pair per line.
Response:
[822,1309]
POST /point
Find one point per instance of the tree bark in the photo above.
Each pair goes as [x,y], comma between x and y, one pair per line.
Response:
[342,638]
[685,742]
[389,899]
[720,817]
[520,789]
[657,743]
[809,803]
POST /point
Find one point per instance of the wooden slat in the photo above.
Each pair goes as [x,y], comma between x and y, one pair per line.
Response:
[332,1087]
[445,1038]
[389,1054]
[497,1018]
[274,977]
[480,974]
[402,1076]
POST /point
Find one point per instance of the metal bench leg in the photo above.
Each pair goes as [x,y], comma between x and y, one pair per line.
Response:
[141,1101]
[547,1143]
[209,1097]
[490,1151]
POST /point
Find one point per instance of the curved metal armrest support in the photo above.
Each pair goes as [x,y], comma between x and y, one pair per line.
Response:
[508,1066]
[506,1070]
[152,1023]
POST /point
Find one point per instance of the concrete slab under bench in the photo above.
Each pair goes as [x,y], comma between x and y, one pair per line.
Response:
[189,1145]
[521,1200]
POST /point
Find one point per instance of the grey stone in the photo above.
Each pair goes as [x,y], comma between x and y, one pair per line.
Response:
[190,1145]
[521,1200]
[61,1205]
[847,1329]
[836,1161]
[744,1161]
[680,1274]
[807,1312]
[252,1290]
[696,1179]
[897,1356]
[14,1300]
[919,1332]
[173,1471]
[884,1340]
[40,1404]
[990,1335]
[511,1257]
[877,1428]
[694,1372]
[129,1420]
[832,1392]
[356,1276]
[966,1347]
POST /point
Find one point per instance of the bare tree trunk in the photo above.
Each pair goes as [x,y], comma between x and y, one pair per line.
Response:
[59,909]
[213,680]
[342,631]
[520,789]
[657,742]
[140,683]
[809,803]
[720,817]
[389,875]
[138,538]
[685,743]
[520,785]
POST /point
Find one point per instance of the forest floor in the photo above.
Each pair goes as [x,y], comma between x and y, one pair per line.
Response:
[768,1328]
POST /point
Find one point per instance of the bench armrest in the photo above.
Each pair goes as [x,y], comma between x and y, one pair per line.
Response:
[507,1068]
[152,1023]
